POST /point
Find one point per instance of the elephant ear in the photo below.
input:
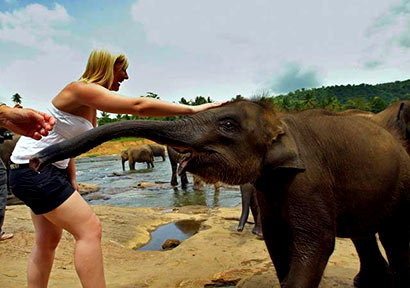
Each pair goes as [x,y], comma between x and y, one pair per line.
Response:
[403,120]
[283,152]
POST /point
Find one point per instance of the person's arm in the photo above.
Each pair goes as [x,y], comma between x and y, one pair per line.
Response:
[27,122]
[103,99]
[71,174]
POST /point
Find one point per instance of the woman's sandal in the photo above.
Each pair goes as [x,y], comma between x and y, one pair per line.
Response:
[5,236]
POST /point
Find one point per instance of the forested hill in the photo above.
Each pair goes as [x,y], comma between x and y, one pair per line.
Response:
[339,97]
[386,91]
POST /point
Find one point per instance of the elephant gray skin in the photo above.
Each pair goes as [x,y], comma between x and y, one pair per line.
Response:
[318,175]
[158,150]
[249,201]
[175,159]
[141,154]
[396,119]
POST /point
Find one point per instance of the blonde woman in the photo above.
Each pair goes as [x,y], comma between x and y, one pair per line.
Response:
[53,194]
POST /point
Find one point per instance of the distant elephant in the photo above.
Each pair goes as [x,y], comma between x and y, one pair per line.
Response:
[142,153]
[158,150]
[175,159]
[318,175]
[6,149]
[249,201]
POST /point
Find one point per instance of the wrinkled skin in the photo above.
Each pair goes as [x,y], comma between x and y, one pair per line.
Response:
[318,175]
[158,150]
[249,201]
[139,154]
[175,159]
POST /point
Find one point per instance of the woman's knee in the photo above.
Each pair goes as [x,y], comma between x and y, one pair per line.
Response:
[48,241]
[92,230]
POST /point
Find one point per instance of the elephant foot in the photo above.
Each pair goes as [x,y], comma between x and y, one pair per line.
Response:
[258,232]
[380,278]
[240,228]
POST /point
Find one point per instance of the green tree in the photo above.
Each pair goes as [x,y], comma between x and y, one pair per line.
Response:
[377,104]
[104,119]
[16,98]
[152,95]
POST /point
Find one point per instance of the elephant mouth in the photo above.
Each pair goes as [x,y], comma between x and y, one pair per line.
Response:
[192,159]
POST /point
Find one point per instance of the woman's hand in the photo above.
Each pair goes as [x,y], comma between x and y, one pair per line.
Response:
[206,106]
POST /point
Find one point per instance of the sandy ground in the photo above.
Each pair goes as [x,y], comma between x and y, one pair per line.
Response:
[217,256]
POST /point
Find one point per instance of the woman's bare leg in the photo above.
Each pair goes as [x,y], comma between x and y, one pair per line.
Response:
[77,217]
[47,237]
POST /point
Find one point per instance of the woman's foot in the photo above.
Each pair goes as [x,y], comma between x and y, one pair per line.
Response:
[5,236]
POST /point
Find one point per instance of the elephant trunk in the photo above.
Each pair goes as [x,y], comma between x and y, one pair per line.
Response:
[174,133]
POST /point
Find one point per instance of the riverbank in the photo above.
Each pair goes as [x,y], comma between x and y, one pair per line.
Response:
[114,147]
[216,255]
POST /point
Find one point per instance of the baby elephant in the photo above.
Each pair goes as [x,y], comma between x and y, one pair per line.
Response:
[142,153]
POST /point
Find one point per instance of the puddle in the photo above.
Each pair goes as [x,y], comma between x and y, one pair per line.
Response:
[180,230]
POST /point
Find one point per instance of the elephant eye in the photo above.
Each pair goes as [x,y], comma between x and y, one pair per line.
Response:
[227,125]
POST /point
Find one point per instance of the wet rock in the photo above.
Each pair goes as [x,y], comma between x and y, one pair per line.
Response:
[170,244]
[96,196]
[86,188]
[146,185]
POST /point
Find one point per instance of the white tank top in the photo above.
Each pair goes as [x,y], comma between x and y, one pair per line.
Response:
[67,126]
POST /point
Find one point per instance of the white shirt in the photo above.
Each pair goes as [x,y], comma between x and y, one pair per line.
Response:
[66,126]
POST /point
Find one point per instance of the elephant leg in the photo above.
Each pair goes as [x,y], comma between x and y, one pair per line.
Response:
[374,270]
[277,237]
[184,180]
[132,164]
[147,165]
[246,195]
[174,179]
[257,229]
[123,166]
[299,251]
[309,258]
[395,240]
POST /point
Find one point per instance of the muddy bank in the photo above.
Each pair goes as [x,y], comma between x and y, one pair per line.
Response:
[216,255]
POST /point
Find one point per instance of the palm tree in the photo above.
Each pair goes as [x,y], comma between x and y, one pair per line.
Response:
[16,98]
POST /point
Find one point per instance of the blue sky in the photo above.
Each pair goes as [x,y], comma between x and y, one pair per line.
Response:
[215,48]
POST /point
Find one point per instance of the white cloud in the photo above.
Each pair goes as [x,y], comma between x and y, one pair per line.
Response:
[47,63]
[34,26]
[250,40]
[293,77]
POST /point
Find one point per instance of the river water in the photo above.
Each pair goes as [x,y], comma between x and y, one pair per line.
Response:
[122,188]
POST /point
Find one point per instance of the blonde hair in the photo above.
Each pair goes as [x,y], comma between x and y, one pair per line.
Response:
[100,67]
[121,58]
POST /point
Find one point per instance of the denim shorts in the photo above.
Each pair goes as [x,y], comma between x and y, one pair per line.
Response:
[42,192]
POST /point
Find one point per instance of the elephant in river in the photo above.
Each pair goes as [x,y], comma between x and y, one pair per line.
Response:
[175,159]
[318,175]
[141,154]
[158,150]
